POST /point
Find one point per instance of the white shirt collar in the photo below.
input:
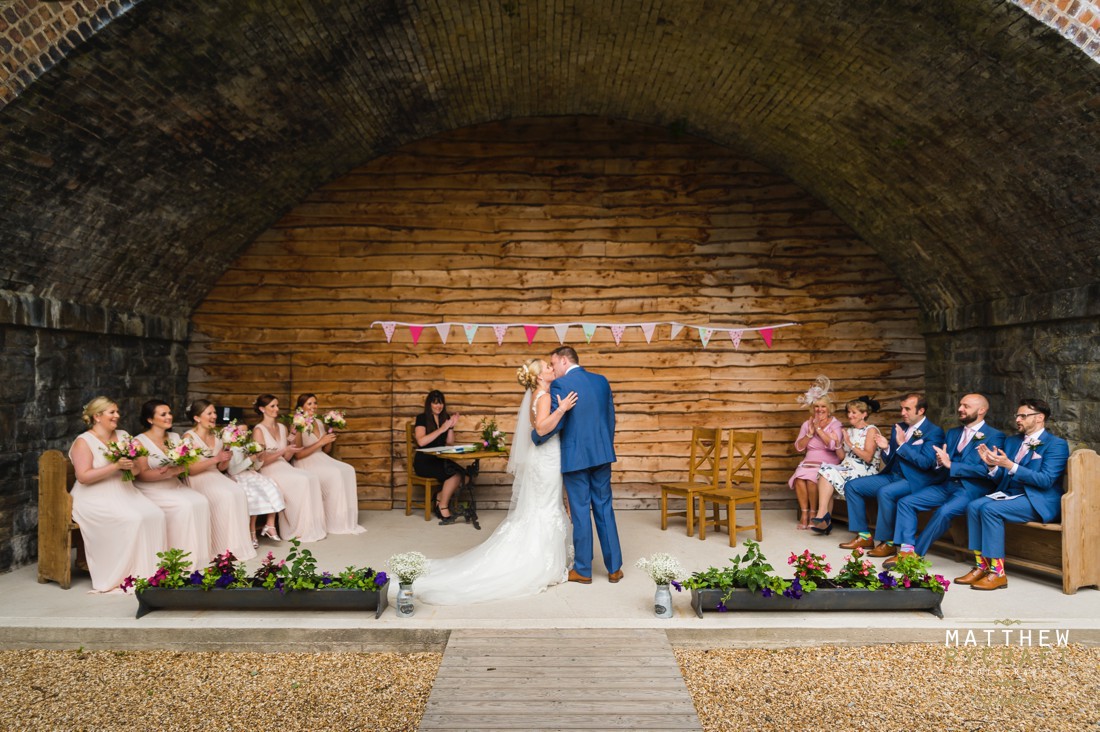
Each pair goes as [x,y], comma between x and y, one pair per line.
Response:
[571,367]
[1034,436]
[975,428]
[914,427]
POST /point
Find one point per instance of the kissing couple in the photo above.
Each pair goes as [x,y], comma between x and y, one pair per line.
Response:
[565,434]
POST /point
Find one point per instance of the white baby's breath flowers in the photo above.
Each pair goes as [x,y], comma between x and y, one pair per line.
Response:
[408,566]
[662,568]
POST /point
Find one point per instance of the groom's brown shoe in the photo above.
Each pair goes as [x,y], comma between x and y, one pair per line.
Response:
[576,577]
[615,576]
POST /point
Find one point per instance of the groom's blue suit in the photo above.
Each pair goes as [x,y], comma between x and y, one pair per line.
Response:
[587,451]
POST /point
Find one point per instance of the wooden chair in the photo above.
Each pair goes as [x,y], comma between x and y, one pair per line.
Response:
[704,464]
[413,482]
[57,532]
[742,485]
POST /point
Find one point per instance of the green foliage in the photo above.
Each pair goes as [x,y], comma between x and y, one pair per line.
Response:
[755,575]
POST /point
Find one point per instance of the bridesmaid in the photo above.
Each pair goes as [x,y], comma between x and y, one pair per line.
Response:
[338,487]
[228,503]
[186,511]
[304,515]
[122,529]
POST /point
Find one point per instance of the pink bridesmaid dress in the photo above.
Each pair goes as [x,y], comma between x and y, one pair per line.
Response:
[122,529]
[304,515]
[228,504]
[339,491]
[818,453]
[187,512]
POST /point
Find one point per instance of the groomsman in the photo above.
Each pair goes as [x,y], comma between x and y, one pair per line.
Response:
[910,467]
[1029,474]
[967,479]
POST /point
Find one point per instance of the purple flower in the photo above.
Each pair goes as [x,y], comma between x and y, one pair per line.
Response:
[196,578]
[766,592]
[326,578]
[722,607]
[380,579]
[224,580]
[677,585]
[794,592]
[887,580]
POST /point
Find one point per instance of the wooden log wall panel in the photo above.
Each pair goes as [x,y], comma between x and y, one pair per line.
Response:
[545,220]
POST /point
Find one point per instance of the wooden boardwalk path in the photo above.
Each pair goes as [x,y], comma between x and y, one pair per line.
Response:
[591,679]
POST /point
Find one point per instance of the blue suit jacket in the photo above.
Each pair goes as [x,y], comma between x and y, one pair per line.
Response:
[968,467]
[915,461]
[588,429]
[1039,475]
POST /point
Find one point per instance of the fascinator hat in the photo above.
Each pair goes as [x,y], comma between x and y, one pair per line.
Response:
[817,392]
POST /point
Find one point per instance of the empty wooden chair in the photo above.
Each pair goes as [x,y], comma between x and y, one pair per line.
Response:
[57,532]
[414,483]
[704,464]
[742,485]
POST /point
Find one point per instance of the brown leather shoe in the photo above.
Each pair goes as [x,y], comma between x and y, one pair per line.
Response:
[975,574]
[858,543]
[893,562]
[575,577]
[615,576]
[883,550]
[992,581]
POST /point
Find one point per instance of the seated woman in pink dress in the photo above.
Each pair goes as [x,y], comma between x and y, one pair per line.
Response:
[339,490]
[821,438]
[187,512]
[228,503]
[304,515]
[122,529]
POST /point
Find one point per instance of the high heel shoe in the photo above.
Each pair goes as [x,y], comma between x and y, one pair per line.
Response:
[803,526]
[825,530]
[269,532]
[444,520]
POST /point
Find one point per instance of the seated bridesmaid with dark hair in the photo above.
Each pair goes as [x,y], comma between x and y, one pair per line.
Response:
[228,503]
[435,428]
[304,515]
[122,529]
[339,490]
[186,512]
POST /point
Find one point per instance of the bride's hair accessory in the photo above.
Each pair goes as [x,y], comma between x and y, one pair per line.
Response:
[817,392]
[528,374]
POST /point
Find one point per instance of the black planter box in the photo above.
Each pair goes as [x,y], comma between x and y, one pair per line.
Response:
[823,598]
[254,598]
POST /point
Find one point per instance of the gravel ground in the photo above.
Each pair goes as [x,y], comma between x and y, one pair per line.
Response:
[880,688]
[903,687]
[157,690]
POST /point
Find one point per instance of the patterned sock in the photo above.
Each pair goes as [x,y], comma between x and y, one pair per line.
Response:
[907,548]
[981,562]
[997,566]
[865,535]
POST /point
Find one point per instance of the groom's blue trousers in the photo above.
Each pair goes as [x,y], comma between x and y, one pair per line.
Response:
[589,494]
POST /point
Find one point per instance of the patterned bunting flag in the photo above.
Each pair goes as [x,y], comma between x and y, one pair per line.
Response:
[500,330]
[529,331]
[589,329]
[443,329]
[388,328]
[705,334]
[617,332]
[471,331]
[647,330]
[562,329]
[766,334]
[735,336]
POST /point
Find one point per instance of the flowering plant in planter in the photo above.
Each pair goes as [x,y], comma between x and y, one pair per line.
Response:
[491,436]
[858,572]
[663,569]
[809,569]
[755,575]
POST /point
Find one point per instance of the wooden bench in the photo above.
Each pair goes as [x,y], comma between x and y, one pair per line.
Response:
[1070,550]
[57,532]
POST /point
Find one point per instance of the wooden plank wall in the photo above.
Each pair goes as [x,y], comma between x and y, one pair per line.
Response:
[545,220]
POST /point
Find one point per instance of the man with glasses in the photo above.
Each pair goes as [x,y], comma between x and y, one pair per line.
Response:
[1029,474]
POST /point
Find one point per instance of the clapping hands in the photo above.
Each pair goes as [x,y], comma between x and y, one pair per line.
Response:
[899,435]
[994,458]
[942,457]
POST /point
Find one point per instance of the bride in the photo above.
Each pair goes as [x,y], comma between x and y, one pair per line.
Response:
[532,548]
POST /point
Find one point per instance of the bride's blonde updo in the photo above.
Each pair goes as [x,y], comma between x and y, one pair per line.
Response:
[528,374]
[99,405]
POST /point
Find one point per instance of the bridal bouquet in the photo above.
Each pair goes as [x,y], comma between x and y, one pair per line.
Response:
[301,422]
[235,435]
[127,448]
[408,566]
[491,436]
[182,455]
[334,420]
[663,569]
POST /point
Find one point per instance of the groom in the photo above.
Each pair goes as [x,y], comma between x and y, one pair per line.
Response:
[587,451]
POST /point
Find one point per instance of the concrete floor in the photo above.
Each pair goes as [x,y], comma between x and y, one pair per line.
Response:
[34,615]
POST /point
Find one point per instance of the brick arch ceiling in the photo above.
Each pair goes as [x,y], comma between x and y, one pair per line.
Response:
[959,138]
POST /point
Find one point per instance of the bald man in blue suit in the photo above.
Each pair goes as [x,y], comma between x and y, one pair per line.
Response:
[587,451]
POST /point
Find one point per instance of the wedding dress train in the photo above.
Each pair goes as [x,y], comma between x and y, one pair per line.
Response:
[532,547]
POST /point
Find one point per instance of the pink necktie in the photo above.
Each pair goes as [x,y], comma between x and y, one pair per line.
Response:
[965,439]
[1021,452]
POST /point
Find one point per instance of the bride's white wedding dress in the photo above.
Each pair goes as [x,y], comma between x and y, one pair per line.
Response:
[532,547]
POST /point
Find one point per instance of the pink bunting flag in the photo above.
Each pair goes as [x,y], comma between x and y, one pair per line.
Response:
[500,330]
[647,331]
[617,332]
[443,329]
[735,336]
[562,329]
[388,328]
[470,330]
[416,330]
[705,334]
[529,331]
[676,328]
[766,334]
